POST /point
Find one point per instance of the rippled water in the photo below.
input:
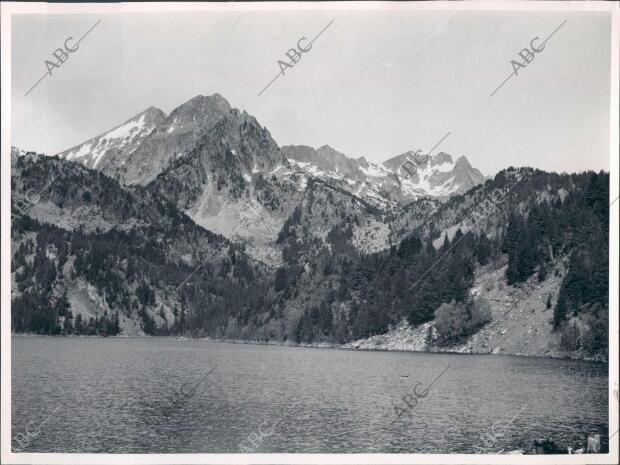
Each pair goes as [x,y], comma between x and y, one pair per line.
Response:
[118,395]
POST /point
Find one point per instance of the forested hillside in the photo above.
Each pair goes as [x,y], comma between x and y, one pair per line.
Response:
[91,256]
[543,218]
[144,262]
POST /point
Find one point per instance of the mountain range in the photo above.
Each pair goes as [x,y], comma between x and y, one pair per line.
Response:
[197,222]
[142,147]
[228,174]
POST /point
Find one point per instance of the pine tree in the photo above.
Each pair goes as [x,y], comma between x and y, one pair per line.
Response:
[68,323]
[79,325]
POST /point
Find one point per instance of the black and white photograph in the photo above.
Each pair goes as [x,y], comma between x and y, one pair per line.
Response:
[310,232]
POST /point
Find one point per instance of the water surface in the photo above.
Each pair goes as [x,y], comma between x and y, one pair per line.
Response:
[116,395]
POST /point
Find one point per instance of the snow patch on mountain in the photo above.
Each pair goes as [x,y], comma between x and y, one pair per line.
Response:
[444,167]
[81,151]
[365,189]
[316,171]
[116,145]
[374,171]
[127,130]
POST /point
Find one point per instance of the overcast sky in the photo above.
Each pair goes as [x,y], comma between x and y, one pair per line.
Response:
[374,84]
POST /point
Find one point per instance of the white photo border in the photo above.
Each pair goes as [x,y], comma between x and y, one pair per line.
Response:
[8,9]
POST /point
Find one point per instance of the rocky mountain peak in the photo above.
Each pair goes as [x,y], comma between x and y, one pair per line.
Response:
[462,161]
[441,158]
[153,114]
[199,109]
[326,149]
[243,142]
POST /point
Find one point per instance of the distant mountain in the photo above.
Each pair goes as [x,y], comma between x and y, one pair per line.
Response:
[136,151]
[327,158]
[144,146]
[366,180]
[404,177]
[436,175]
[224,170]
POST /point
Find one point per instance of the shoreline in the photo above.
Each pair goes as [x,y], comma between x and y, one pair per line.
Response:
[323,345]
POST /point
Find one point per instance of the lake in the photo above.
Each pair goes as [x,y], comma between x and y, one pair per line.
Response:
[139,395]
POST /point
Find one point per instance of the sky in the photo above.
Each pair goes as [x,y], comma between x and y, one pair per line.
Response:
[374,84]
